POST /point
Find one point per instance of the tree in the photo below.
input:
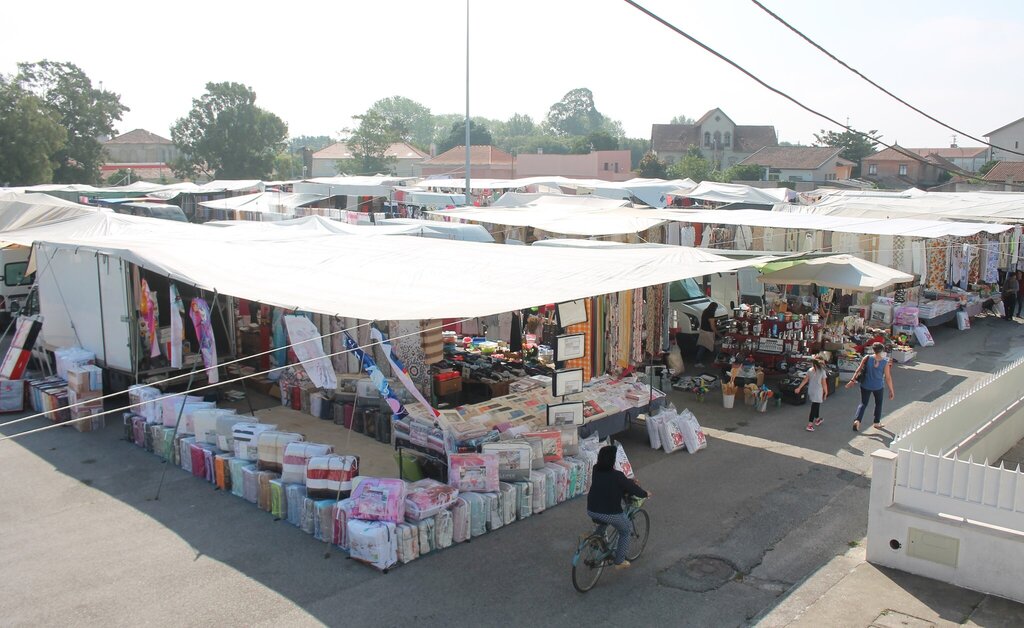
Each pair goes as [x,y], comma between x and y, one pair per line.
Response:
[855,146]
[650,167]
[288,165]
[30,136]
[122,176]
[694,166]
[575,114]
[227,136]
[369,144]
[520,124]
[312,142]
[409,120]
[85,112]
[985,167]
[638,147]
[682,120]
[478,136]
[748,172]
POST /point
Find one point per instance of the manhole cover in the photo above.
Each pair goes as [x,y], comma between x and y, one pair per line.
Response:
[698,574]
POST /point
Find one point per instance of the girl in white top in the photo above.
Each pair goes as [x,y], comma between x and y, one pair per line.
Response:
[816,382]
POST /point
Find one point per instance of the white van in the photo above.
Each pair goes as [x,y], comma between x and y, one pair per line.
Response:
[15,286]
[687,303]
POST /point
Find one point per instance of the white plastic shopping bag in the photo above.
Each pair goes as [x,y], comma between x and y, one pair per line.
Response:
[924,337]
[693,435]
[963,321]
[622,462]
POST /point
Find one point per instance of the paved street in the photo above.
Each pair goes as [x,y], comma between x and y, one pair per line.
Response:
[734,529]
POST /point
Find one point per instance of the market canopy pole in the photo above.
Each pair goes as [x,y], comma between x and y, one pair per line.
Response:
[467,106]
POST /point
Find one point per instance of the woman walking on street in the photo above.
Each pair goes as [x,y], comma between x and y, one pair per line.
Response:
[816,382]
[1010,289]
[877,375]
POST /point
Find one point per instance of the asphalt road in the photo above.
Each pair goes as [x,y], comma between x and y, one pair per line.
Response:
[83,540]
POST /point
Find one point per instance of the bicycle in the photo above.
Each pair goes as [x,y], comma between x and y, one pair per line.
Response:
[597,550]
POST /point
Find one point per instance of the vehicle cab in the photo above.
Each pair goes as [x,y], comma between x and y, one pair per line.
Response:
[687,303]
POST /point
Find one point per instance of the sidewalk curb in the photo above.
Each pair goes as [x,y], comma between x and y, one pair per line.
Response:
[802,595]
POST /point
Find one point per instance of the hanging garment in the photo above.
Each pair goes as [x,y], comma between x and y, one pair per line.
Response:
[687,235]
[199,312]
[177,327]
[280,355]
[309,349]
[150,316]
[398,369]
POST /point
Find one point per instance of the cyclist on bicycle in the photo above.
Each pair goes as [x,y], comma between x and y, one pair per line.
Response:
[604,502]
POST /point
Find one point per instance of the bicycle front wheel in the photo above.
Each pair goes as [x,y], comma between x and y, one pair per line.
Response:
[588,564]
[638,537]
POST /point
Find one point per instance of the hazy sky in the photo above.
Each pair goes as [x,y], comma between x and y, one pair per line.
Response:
[316,64]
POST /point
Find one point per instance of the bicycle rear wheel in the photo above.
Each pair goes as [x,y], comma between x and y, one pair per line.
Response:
[638,537]
[588,564]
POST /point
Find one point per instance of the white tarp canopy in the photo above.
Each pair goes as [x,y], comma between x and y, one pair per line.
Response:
[911,227]
[727,193]
[976,206]
[19,210]
[430,200]
[445,230]
[449,183]
[378,185]
[845,272]
[564,214]
[650,192]
[264,202]
[403,278]
[311,226]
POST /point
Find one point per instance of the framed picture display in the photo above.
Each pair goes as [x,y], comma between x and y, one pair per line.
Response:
[567,382]
[570,413]
[570,347]
[571,312]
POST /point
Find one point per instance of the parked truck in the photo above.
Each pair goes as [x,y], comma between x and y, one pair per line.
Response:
[91,300]
[15,288]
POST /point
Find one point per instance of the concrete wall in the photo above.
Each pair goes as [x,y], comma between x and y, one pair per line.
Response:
[608,165]
[140,153]
[953,521]
[1011,137]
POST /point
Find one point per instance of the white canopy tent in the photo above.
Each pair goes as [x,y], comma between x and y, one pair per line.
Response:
[976,206]
[444,230]
[845,272]
[264,202]
[448,183]
[379,185]
[569,215]
[910,227]
[375,279]
[726,193]
[19,210]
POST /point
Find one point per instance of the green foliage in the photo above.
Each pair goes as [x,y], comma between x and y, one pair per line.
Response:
[478,136]
[30,137]
[637,146]
[682,120]
[748,172]
[227,136]
[369,144]
[987,166]
[575,114]
[520,124]
[855,146]
[408,120]
[84,111]
[650,167]
[122,176]
[312,142]
[288,165]
[694,166]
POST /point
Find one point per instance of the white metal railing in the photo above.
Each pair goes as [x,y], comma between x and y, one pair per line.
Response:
[950,486]
[968,416]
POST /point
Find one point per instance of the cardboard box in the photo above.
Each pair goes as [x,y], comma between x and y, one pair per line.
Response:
[446,387]
[96,421]
[85,378]
[902,357]
[12,395]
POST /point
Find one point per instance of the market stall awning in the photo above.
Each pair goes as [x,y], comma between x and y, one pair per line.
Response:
[846,272]
[402,277]
[872,225]
[726,193]
[20,210]
[264,202]
[564,214]
[974,206]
